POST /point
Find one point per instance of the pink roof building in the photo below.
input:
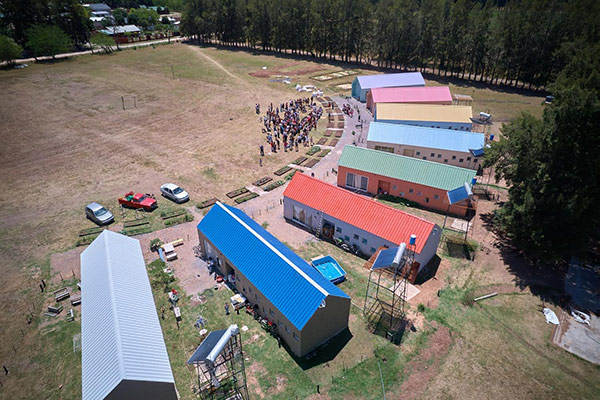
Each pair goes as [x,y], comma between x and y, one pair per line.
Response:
[422,95]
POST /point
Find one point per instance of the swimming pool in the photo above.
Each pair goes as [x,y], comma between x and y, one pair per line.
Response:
[330,269]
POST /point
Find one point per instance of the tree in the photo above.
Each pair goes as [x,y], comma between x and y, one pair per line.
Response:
[165,21]
[119,15]
[48,40]
[553,168]
[144,17]
[9,50]
[103,41]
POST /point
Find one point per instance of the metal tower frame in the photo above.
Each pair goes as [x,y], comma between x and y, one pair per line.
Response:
[385,296]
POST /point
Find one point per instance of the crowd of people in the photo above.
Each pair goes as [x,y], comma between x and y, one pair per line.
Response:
[289,124]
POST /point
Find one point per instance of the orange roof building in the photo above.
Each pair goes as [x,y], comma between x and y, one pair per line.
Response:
[357,220]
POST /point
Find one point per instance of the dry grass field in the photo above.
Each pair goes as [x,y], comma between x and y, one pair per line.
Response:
[66,141]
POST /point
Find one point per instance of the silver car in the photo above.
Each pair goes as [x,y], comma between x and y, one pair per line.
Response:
[98,214]
[174,192]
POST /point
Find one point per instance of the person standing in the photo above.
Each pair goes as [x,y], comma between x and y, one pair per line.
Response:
[226,308]
[262,150]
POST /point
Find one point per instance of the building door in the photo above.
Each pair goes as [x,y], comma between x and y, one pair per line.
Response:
[408,152]
[209,250]
[383,187]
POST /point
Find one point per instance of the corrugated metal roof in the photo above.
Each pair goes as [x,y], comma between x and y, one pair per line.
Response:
[360,211]
[391,80]
[424,112]
[429,94]
[121,337]
[434,138]
[459,194]
[423,172]
[289,282]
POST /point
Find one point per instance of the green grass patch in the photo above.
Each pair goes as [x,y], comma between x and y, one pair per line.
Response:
[282,171]
[207,203]
[313,150]
[84,241]
[245,198]
[273,185]
[172,213]
[91,231]
[136,231]
[237,192]
[136,222]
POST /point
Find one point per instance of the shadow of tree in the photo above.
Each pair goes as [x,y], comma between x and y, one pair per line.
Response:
[543,279]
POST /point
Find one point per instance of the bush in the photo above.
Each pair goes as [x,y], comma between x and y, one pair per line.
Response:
[9,50]
[421,308]
[155,244]
[159,279]
[398,200]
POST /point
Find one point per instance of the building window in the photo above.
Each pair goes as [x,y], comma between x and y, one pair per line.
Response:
[475,160]
[411,191]
[364,241]
[256,297]
[364,183]
[436,197]
[373,250]
[394,187]
[418,153]
[424,158]
[251,291]
[401,194]
[445,160]
[355,236]
[432,154]
[454,157]
[271,312]
[419,193]
[460,160]
[468,158]
[287,329]
[350,179]
[338,229]
[244,289]
[439,156]
[347,238]
[384,148]
[296,337]
[426,199]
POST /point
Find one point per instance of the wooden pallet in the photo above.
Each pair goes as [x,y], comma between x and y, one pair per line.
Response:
[311,163]
[322,141]
[334,142]
[207,203]
[237,192]
[262,181]
[282,171]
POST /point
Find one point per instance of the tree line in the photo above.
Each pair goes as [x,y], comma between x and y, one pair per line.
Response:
[524,42]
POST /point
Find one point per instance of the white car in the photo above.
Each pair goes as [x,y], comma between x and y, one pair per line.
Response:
[174,192]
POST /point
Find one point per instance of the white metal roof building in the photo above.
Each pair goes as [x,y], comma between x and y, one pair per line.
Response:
[123,353]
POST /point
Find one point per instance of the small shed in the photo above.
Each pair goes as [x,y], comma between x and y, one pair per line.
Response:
[363,84]
[123,352]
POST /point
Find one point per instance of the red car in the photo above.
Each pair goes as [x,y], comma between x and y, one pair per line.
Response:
[145,201]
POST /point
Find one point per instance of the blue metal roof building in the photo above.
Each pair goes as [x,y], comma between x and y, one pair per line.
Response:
[412,140]
[306,307]
[123,353]
[362,84]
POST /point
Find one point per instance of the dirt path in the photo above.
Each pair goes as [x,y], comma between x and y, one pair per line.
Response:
[199,51]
